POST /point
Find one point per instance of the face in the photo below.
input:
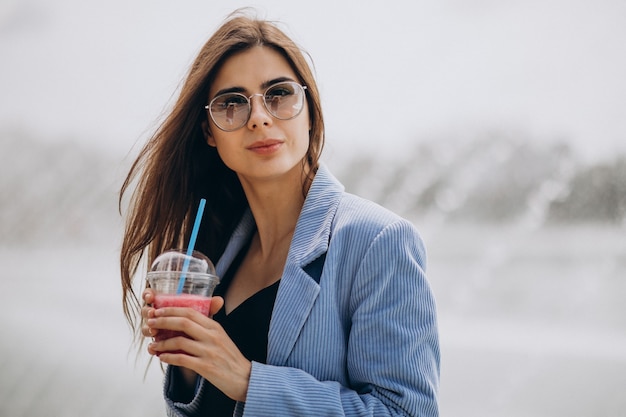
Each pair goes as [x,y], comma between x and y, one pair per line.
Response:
[266,147]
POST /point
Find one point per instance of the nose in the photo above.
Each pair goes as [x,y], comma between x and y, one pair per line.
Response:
[259,115]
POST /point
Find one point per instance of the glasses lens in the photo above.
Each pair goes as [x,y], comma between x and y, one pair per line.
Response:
[230,111]
[284,100]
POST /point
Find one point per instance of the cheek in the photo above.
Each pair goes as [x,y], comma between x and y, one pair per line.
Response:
[305,126]
[301,137]
[225,149]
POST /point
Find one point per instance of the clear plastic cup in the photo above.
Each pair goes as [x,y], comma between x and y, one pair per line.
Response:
[200,282]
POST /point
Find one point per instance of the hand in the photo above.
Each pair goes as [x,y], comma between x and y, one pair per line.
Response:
[207,349]
[147,311]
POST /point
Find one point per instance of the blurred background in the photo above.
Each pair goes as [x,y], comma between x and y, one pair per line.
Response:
[497,127]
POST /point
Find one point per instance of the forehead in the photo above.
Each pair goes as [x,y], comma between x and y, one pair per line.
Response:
[251,68]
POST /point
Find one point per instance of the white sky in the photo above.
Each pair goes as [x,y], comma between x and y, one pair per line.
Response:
[391,73]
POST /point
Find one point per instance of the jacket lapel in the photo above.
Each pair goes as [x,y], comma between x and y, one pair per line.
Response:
[300,285]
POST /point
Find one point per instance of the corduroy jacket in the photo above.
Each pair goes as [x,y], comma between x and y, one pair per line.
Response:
[358,339]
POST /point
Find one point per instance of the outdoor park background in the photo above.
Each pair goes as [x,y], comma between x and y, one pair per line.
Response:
[508,153]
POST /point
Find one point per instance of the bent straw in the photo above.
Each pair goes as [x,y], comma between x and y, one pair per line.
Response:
[192,243]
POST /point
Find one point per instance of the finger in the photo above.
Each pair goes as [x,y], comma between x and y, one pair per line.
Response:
[154,348]
[216,304]
[186,312]
[182,359]
[148,296]
[177,344]
[191,328]
[200,328]
[148,331]
[147,312]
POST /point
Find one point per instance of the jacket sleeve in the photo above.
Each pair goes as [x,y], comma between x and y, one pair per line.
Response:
[392,356]
[183,404]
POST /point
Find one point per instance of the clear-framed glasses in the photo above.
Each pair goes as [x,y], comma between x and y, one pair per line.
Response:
[231,111]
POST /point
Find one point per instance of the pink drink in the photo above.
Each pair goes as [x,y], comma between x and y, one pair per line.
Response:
[197,302]
[181,280]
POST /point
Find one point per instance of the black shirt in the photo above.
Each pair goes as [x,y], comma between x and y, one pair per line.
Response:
[248,326]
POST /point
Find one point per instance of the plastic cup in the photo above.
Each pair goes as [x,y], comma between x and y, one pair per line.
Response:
[199,282]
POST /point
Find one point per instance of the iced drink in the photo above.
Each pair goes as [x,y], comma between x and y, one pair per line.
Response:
[193,290]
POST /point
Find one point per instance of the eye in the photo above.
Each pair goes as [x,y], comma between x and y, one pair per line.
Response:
[226,101]
[280,90]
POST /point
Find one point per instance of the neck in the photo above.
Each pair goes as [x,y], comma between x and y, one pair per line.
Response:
[276,206]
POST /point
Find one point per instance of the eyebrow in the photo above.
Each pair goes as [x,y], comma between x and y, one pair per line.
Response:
[264,86]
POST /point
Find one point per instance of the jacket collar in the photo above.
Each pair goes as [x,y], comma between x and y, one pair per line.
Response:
[312,232]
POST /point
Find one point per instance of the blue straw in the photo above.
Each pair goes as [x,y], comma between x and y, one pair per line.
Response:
[192,243]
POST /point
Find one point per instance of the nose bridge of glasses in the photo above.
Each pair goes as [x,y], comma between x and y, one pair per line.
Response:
[264,104]
[254,95]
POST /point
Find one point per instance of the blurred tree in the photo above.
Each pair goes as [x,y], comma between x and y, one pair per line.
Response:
[597,193]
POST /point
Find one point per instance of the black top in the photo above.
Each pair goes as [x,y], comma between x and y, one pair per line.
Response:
[248,326]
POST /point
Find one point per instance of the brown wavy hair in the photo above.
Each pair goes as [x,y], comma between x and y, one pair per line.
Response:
[176,167]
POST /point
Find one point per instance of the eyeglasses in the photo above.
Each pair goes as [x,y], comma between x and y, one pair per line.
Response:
[231,111]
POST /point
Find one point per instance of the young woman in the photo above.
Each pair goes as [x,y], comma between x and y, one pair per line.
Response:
[323,308]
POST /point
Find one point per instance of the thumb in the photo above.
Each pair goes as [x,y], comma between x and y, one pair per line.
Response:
[216,304]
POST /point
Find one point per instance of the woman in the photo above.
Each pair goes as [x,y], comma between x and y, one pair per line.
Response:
[323,308]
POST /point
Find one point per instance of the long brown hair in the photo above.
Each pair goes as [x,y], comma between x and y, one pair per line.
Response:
[176,167]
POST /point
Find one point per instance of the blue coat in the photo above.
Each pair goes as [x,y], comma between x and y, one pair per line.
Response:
[360,339]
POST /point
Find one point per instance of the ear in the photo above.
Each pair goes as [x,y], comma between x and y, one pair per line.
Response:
[208,137]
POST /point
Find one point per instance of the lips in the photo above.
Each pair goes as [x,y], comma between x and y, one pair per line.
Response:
[265,146]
